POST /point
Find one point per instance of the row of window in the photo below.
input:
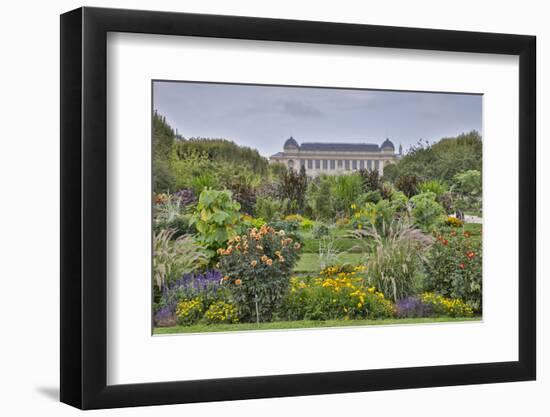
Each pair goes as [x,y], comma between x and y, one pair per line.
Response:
[334,164]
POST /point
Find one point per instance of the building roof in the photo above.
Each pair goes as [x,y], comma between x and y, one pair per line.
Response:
[387,144]
[339,147]
[291,142]
[277,155]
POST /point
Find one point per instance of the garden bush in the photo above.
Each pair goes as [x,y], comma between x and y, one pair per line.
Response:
[435,186]
[408,184]
[270,208]
[454,267]
[257,268]
[426,211]
[216,219]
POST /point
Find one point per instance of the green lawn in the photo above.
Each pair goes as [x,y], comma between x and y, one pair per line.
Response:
[309,262]
[303,324]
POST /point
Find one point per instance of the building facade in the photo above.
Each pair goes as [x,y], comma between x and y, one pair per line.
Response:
[336,158]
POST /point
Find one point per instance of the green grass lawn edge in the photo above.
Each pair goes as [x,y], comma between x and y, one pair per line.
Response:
[303,324]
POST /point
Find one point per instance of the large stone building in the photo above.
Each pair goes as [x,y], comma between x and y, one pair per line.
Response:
[336,158]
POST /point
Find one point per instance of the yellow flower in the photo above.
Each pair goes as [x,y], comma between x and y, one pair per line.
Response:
[269,262]
[253,263]
[264,258]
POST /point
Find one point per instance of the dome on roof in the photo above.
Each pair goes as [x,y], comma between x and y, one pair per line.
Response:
[387,144]
[291,142]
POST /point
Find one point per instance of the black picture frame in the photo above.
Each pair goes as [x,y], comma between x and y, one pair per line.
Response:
[84,207]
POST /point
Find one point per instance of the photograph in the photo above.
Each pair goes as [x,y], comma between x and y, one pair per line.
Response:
[286,207]
[279,207]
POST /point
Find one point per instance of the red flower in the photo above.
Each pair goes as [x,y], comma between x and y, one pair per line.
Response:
[461,266]
[470,255]
[444,241]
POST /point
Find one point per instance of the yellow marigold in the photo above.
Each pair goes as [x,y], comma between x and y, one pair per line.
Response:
[264,258]
[253,263]
[269,262]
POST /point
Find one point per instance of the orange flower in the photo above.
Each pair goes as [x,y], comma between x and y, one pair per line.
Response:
[470,255]
[225,278]
[238,281]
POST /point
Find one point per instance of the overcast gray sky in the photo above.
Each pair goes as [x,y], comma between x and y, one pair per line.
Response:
[263,117]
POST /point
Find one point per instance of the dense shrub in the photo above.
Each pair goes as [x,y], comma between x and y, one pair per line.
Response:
[216,218]
[370,180]
[378,216]
[257,268]
[344,296]
[426,211]
[319,198]
[345,190]
[435,186]
[454,267]
[408,184]
[269,208]
[293,187]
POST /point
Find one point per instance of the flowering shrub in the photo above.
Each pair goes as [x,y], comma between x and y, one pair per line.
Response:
[189,311]
[344,296]
[257,268]
[452,307]
[453,267]
[412,307]
[454,222]
[221,312]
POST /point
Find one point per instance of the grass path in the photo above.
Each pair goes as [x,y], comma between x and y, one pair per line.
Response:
[303,324]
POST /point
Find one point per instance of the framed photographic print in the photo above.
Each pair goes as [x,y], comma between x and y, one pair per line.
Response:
[258,207]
